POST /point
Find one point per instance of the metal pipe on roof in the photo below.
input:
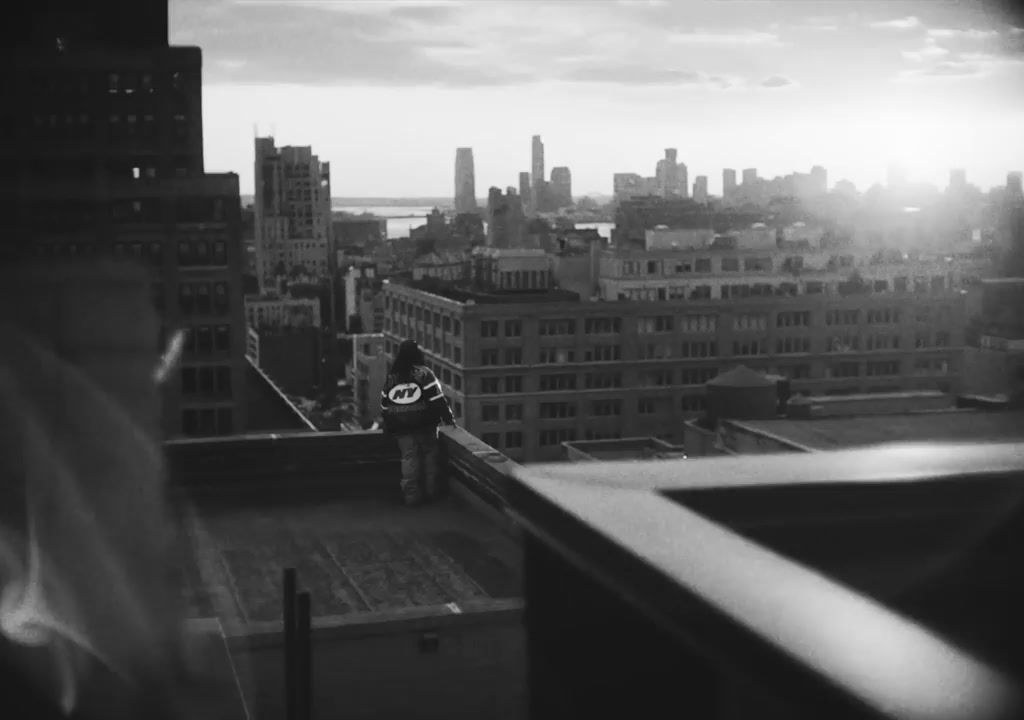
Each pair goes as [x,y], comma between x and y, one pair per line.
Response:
[304,658]
[290,664]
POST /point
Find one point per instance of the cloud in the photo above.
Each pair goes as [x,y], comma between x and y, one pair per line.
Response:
[907,23]
[741,38]
[816,27]
[776,81]
[636,74]
[930,51]
[967,34]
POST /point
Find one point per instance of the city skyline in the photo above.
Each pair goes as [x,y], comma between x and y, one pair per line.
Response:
[788,86]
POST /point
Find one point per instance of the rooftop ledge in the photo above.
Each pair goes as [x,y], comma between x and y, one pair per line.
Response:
[882,582]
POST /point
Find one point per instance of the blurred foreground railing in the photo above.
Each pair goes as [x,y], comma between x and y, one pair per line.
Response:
[723,588]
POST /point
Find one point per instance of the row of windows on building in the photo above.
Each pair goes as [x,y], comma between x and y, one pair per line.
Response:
[741,291]
[882,368]
[212,381]
[207,422]
[118,126]
[120,83]
[198,298]
[559,382]
[513,412]
[186,210]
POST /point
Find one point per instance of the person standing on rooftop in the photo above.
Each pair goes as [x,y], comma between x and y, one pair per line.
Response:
[413,405]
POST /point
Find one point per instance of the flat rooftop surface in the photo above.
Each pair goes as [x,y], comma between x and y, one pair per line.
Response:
[363,555]
[835,433]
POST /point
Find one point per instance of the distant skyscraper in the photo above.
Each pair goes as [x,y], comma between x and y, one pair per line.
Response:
[669,178]
[728,183]
[682,180]
[561,187]
[537,174]
[465,181]
[700,189]
[957,179]
[819,180]
[750,176]
[1013,185]
[524,189]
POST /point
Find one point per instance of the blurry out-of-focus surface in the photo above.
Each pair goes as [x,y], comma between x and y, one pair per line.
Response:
[89,609]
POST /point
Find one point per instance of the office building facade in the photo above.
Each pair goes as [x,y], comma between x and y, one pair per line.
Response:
[561,188]
[292,214]
[105,161]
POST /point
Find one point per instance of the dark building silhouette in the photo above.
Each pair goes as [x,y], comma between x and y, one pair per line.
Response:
[103,159]
[560,188]
[506,221]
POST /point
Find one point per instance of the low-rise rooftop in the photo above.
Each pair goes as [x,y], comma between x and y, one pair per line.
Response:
[835,433]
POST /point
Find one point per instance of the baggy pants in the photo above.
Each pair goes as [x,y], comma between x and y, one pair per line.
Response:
[419,463]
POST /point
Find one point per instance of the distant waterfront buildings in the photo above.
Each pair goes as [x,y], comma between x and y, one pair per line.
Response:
[293,213]
[728,184]
[750,177]
[465,181]
[957,180]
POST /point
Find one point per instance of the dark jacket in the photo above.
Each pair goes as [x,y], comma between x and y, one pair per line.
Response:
[416,404]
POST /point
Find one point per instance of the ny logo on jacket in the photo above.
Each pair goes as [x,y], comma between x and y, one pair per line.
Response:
[414,403]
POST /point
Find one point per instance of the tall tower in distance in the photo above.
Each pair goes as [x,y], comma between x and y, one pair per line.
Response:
[700,189]
[561,187]
[465,181]
[537,174]
[524,189]
[669,178]
[819,180]
[728,183]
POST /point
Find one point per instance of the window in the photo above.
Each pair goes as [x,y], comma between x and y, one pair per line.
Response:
[189,381]
[882,342]
[789,345]
[757,264]
[881,368]
[654,351]
[693,403]
[646,406]
[555,356]
[513,412]
[204,340]
[699,323]
[513,328]
[656,378]
[220,253]
[186,299]
[514,383]
[597,381]
[844,343]
[747,348]
[203,303]
[699,349]
[513,356]
[748,321]
[513,439]
[603,353]
[220,297]
[557,410]
[842,317]
[489,356]
[489,413]
[659,324]
[554,437]
[730,264]
[491,438]
[602,325]
[793,319]
[457,382]
[457,409]
[883,316]
[488,328]
[222,338]
[843,370]
[551,383]
[456,328]
[557,327]
[703,265]
[698,376]
[458,356]
[490,385]
[796,372]
[942,339]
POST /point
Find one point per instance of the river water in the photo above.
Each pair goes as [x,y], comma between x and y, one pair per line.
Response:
[402,219]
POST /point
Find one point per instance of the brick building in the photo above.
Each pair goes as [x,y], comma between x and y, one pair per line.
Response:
[526,372]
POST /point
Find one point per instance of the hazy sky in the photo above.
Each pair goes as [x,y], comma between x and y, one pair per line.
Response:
[387,90]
